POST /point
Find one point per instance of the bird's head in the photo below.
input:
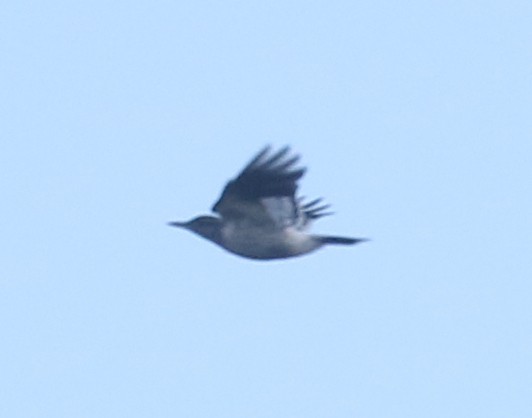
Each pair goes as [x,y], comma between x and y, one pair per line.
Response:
[206,226]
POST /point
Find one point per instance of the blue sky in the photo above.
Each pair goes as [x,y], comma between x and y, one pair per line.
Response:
[414,119]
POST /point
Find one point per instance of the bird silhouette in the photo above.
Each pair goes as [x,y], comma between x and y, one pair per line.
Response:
[259,215]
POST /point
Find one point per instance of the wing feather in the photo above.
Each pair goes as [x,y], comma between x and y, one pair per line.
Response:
[267,176]
[264,193]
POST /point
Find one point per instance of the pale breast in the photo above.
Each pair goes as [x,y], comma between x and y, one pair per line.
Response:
[261,243]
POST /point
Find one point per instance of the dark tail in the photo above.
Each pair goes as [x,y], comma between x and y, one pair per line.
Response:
[341,240]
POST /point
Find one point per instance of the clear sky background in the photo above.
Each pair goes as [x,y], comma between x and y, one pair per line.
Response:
[415,119]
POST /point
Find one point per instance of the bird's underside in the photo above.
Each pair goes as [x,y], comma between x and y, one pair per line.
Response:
[260,216]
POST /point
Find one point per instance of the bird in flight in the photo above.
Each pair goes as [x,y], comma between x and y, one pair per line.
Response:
[259,215]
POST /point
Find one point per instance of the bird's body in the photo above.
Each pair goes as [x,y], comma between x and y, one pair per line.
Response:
[260,216]
[265,244]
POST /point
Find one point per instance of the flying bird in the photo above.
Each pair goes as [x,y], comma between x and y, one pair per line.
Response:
[259,215]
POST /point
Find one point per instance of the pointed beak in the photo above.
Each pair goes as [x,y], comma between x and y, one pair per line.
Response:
[177,224]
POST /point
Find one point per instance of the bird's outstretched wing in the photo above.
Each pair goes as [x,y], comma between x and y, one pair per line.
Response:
[264,191]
